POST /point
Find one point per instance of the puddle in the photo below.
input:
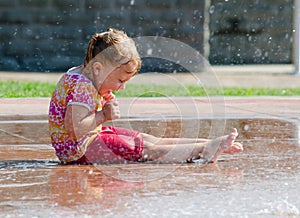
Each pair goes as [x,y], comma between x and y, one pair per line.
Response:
[261,181]
[24,164]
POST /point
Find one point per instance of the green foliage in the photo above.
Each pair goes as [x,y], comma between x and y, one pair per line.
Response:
[160,90]
[13,89]
[16,89]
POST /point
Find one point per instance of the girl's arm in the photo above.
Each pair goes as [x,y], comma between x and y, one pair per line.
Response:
[79,121]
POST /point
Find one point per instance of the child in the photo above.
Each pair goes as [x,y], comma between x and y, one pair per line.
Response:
[82,101]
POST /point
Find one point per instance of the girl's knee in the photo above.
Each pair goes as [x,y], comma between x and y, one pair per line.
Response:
[148,139]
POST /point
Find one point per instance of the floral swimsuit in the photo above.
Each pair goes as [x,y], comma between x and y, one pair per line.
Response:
[75,89]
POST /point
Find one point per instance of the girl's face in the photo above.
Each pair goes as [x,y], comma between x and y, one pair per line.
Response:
[116,80]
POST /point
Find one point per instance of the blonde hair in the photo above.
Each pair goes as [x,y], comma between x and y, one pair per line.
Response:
[113,46]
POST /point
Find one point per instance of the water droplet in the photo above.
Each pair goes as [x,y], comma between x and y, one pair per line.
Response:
[258,52]
[212,9]
[149,51]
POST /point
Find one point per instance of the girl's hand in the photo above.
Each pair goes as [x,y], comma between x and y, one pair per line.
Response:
[109,96]
[111,110]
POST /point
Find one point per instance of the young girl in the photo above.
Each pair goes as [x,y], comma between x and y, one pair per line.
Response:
[82,101]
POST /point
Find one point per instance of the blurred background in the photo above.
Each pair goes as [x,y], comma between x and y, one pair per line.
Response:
[52,35]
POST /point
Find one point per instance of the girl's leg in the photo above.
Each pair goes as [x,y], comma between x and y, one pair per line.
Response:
[169,141]
[117,145]
[179,150]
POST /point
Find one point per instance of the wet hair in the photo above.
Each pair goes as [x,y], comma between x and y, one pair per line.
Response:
[113,46]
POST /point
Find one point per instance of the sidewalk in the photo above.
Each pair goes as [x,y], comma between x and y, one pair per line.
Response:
[24,121]
[271,117]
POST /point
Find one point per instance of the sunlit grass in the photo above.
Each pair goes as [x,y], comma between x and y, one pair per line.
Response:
[160,90]
[13,89]
[16,89]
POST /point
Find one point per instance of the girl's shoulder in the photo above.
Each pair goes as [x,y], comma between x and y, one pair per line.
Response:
[75,74]
[77,69]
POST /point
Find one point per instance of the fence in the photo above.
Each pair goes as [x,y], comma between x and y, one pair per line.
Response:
[52,35]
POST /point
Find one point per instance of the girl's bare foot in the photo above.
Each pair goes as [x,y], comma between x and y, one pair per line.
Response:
[235,148]
[216,147]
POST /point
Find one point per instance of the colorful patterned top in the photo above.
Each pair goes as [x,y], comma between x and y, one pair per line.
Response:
[72,88]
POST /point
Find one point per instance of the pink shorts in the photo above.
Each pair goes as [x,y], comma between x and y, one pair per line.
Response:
[113,145]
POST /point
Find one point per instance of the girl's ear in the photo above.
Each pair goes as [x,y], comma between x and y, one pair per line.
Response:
[97,68]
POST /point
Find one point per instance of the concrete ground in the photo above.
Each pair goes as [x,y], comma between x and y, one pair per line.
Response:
[268,167]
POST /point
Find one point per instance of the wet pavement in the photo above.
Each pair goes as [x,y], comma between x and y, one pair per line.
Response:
[263,181]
